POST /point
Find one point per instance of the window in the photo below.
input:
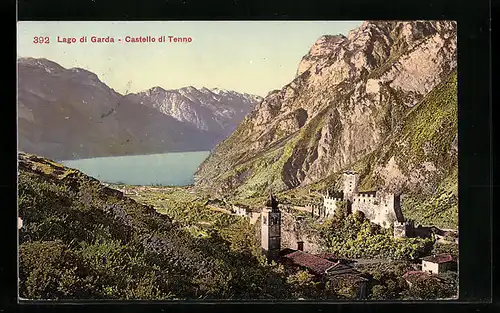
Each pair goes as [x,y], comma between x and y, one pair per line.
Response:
[273,221]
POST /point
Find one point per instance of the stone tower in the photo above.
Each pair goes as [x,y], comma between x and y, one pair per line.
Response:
[351,180]
[271,229]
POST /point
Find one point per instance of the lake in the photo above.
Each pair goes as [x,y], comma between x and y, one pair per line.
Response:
[167,169]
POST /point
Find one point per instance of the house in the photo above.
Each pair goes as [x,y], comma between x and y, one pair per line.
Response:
[315,265]
[438,263]
[241,210]
[337,274]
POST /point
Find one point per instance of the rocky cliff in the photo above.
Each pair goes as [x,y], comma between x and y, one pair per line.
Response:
[381,100]
[217,111]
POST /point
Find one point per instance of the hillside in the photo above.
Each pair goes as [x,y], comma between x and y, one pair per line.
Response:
[71,114]
[217,111]
[83,240]
[382,100]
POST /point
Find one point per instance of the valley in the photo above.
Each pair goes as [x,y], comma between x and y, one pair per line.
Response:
[95,226]
[341,185]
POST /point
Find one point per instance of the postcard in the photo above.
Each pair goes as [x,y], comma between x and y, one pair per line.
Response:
[237,160]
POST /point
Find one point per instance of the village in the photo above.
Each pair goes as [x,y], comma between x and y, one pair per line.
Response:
[296,253]
[380,208]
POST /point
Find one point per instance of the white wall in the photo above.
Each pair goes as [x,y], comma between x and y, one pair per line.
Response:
[430,267]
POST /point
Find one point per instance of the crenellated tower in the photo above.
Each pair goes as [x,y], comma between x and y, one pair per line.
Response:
[271,229]
[351,180]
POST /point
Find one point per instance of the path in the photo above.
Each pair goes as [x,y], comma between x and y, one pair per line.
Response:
[370,261]
[215,208]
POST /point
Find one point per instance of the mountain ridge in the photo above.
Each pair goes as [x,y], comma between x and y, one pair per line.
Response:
[70,113]
[350,95]
[215,110]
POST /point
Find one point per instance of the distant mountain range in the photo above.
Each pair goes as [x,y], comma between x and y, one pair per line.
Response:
[70,114]
[216,110]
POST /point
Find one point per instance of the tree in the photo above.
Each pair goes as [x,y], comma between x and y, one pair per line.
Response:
[379,292]
[359,216]
[303,285]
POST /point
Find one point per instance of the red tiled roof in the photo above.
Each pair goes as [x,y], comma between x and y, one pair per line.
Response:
[327,256]
[439,258]
[314,263]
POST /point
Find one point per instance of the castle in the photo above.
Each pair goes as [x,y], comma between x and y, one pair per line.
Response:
[323,266]
[379,207]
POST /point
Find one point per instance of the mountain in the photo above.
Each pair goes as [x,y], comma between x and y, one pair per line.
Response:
[217,111]
[69,113]
[381,100]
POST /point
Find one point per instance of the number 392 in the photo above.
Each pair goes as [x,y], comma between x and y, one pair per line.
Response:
[41,39]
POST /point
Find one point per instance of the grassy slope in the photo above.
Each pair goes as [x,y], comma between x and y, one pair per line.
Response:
[81,240]
[426,135]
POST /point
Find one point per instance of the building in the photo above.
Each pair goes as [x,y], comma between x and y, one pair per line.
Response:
[241,210]
[404,229]
[439,263]
[314,264]
[271,230]
[338,274]
[381,208]
[324,266]
[351,181]
[331,204]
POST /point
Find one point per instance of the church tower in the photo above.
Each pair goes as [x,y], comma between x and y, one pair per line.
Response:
[271,229]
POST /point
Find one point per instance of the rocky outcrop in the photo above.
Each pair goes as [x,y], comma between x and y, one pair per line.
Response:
[381,99]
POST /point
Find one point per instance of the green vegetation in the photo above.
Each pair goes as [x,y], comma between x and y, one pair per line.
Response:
[440,210]
[387,283]
[83,241]
[354,236]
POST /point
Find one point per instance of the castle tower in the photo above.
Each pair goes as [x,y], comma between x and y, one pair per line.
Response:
[351,180]
[271,229]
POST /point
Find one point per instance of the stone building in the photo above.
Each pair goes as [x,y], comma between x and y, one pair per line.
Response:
[438,263]
[335,272]
[379,207]
[351,181]
[331,204]
[404,229]
[322,266]
[241,210]
[271,229]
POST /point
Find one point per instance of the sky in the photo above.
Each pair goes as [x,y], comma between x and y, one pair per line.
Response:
[245,56]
